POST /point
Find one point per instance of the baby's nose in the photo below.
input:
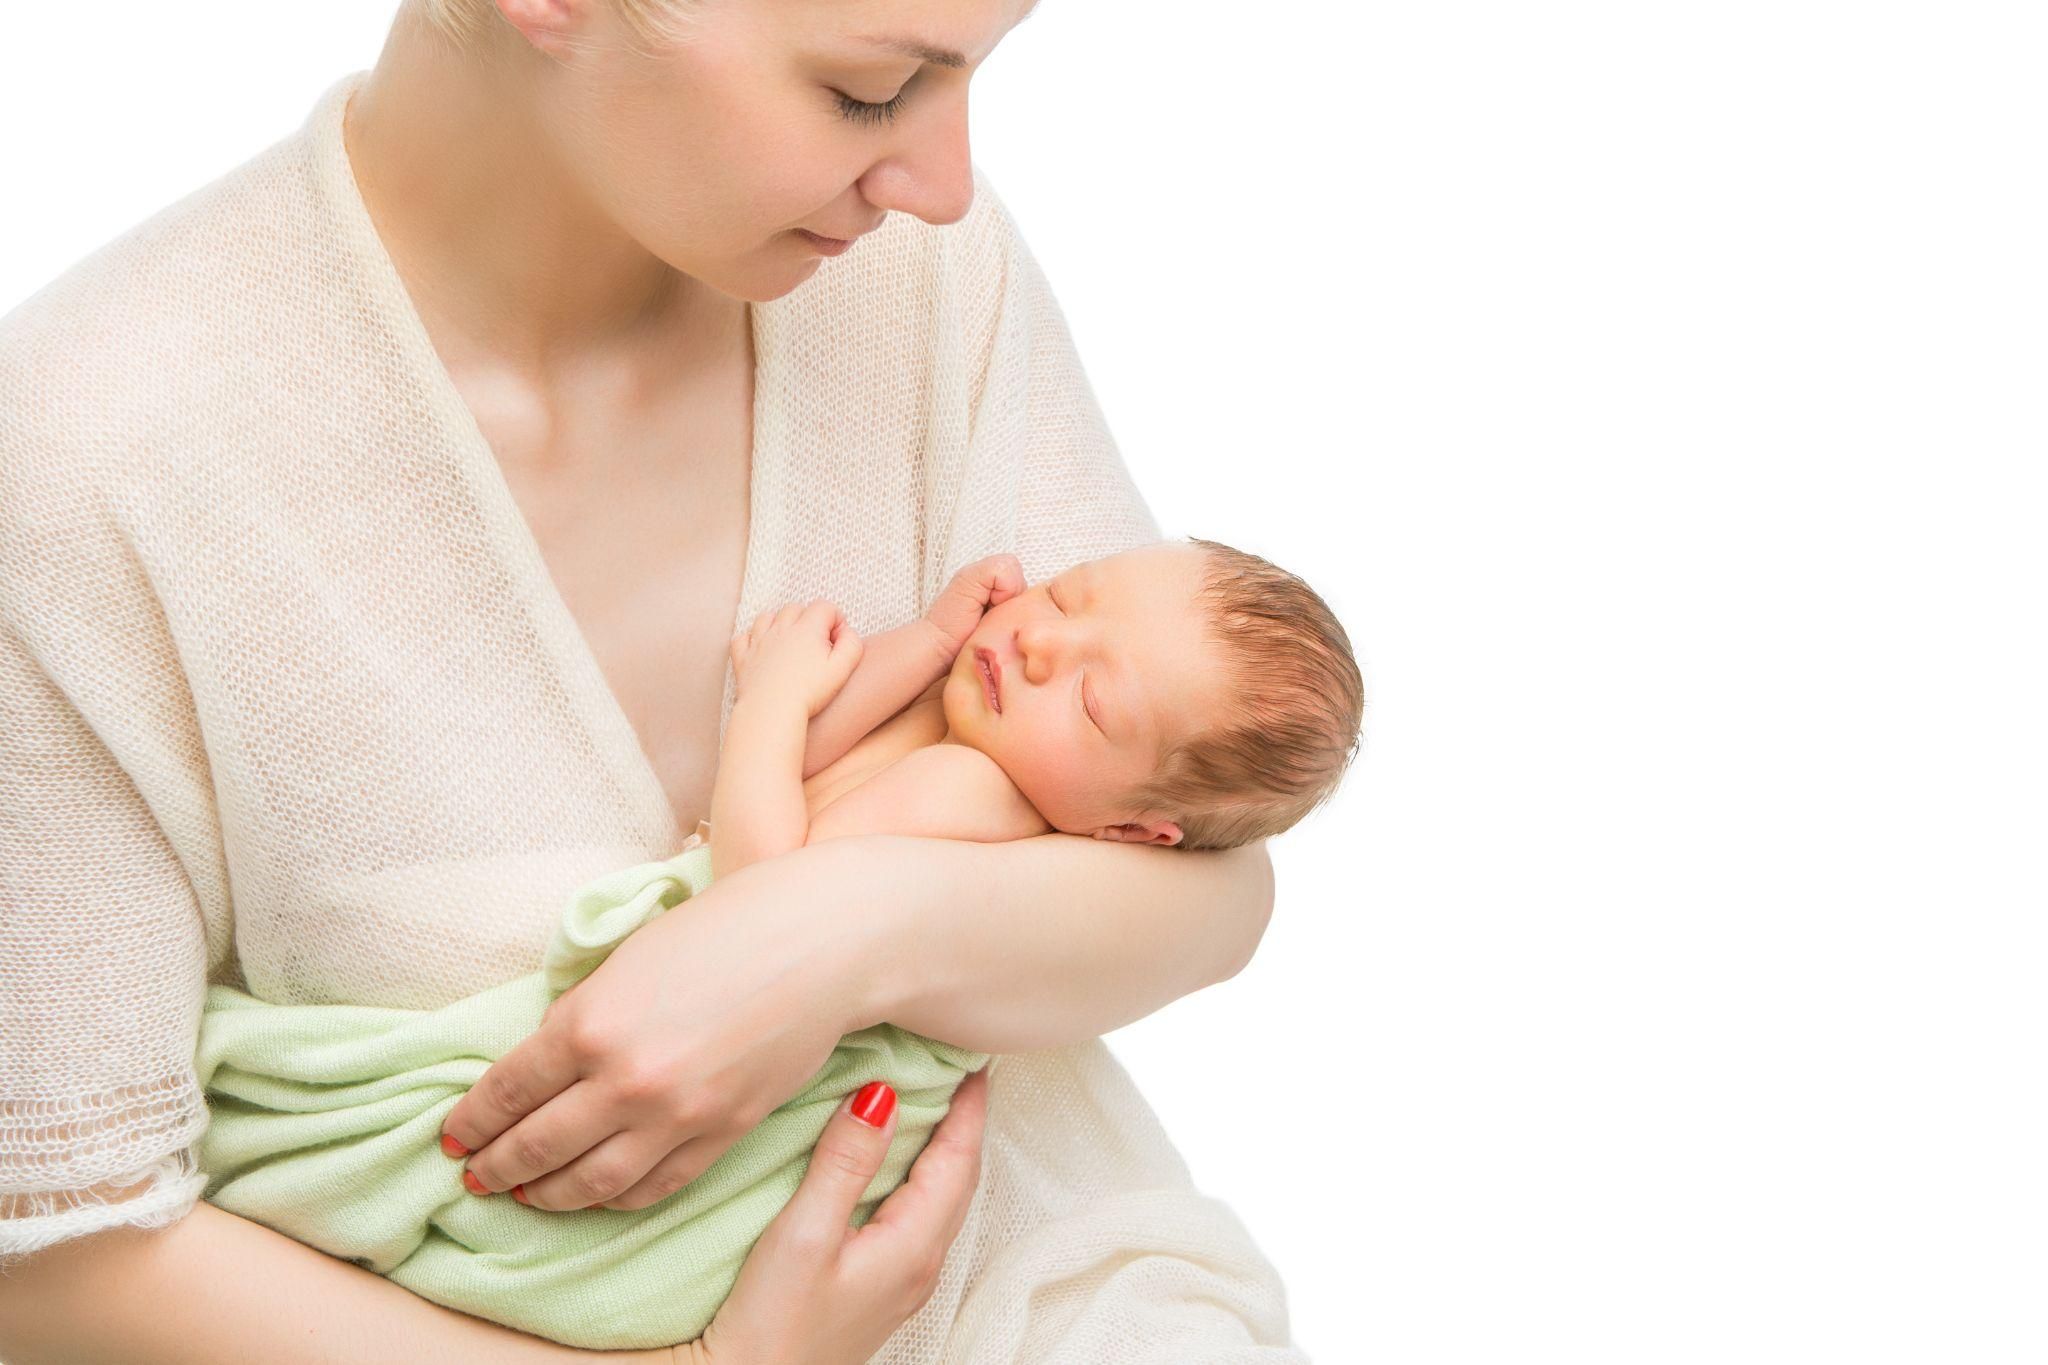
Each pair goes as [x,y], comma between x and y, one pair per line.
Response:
[1035,647]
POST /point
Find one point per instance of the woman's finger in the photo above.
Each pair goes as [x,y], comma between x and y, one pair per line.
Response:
[606,1174]
[928,1209]
[524,1082]
[843,1164]
[672,1172]
[549,1140]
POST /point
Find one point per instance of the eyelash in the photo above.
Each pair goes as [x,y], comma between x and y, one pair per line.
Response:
[860,111]
[1084,695]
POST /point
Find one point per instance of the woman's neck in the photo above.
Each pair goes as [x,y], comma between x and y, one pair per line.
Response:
[498,244]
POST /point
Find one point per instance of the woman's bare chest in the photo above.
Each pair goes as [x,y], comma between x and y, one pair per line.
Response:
[641,519]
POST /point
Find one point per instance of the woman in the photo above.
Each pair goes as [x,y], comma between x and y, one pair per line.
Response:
[374,524]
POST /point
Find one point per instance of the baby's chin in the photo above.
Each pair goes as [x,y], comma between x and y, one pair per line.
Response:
[966,710]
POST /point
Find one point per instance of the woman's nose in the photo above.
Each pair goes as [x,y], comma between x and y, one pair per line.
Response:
[930,173]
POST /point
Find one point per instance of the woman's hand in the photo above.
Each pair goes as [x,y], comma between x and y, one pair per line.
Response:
[708,1018]
[820,1292]
[695,1028]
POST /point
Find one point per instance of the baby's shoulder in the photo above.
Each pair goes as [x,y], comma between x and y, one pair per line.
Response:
[940,791]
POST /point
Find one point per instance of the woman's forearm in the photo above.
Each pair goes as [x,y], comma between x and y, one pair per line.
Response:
[214,1287]
[1008,947]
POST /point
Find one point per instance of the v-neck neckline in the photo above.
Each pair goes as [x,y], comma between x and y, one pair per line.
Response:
[575,661]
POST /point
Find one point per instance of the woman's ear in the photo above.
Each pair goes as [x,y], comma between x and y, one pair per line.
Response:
[547,24]
[1149,832]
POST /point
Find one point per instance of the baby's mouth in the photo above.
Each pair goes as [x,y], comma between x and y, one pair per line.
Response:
[991,677]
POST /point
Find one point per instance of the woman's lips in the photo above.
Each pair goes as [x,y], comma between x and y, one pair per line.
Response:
[991,678]
[826,246]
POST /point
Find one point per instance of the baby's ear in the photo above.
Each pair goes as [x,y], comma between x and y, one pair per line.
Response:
[1149,832]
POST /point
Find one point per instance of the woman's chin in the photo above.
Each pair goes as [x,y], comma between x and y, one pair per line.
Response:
[763,281]
[792,283]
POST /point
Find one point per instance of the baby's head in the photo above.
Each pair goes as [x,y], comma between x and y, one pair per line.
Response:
[1179,693]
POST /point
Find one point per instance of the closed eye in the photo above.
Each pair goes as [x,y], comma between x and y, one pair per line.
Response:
[1087,707]
[862,111]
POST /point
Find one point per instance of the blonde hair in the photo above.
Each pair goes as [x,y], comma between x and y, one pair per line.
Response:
[655,23]
[1298,709]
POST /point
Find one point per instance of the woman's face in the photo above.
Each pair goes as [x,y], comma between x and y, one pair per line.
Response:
[717,152]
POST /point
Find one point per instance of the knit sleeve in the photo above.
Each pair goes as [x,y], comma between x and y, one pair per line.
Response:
[103,948]
[102,966]
[1044,477]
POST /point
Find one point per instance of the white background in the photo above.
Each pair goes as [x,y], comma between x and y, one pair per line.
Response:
[1656,392]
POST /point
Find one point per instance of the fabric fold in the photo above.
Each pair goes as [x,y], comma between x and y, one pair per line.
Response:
[326,1124]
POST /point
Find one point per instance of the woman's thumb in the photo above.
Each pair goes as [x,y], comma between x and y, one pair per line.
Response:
[848,1154]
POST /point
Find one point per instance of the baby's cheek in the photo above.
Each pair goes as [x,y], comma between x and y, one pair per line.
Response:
[1056,782]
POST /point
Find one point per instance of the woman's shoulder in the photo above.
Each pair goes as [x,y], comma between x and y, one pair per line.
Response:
[136,336]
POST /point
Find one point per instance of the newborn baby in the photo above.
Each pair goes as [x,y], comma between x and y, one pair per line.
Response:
[1179,693]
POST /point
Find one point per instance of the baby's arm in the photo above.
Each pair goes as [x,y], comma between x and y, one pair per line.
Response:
[786,667]
[895,669]
[898,665]
[796,710]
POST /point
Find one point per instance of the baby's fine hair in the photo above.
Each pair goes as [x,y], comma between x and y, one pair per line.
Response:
[1297,709]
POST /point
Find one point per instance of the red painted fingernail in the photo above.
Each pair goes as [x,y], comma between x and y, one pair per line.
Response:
[519,1193]
[452,1147]
[875,1102]
[475,1186]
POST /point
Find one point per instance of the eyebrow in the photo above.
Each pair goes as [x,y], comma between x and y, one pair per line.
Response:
[925,52]
[910,47]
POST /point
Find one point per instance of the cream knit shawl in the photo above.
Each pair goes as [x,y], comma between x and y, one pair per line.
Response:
[291,703]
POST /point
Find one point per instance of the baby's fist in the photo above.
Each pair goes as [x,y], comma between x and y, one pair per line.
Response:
[802,653]
[983,584]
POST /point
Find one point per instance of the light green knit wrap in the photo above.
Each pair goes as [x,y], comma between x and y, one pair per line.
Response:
[326,1123]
